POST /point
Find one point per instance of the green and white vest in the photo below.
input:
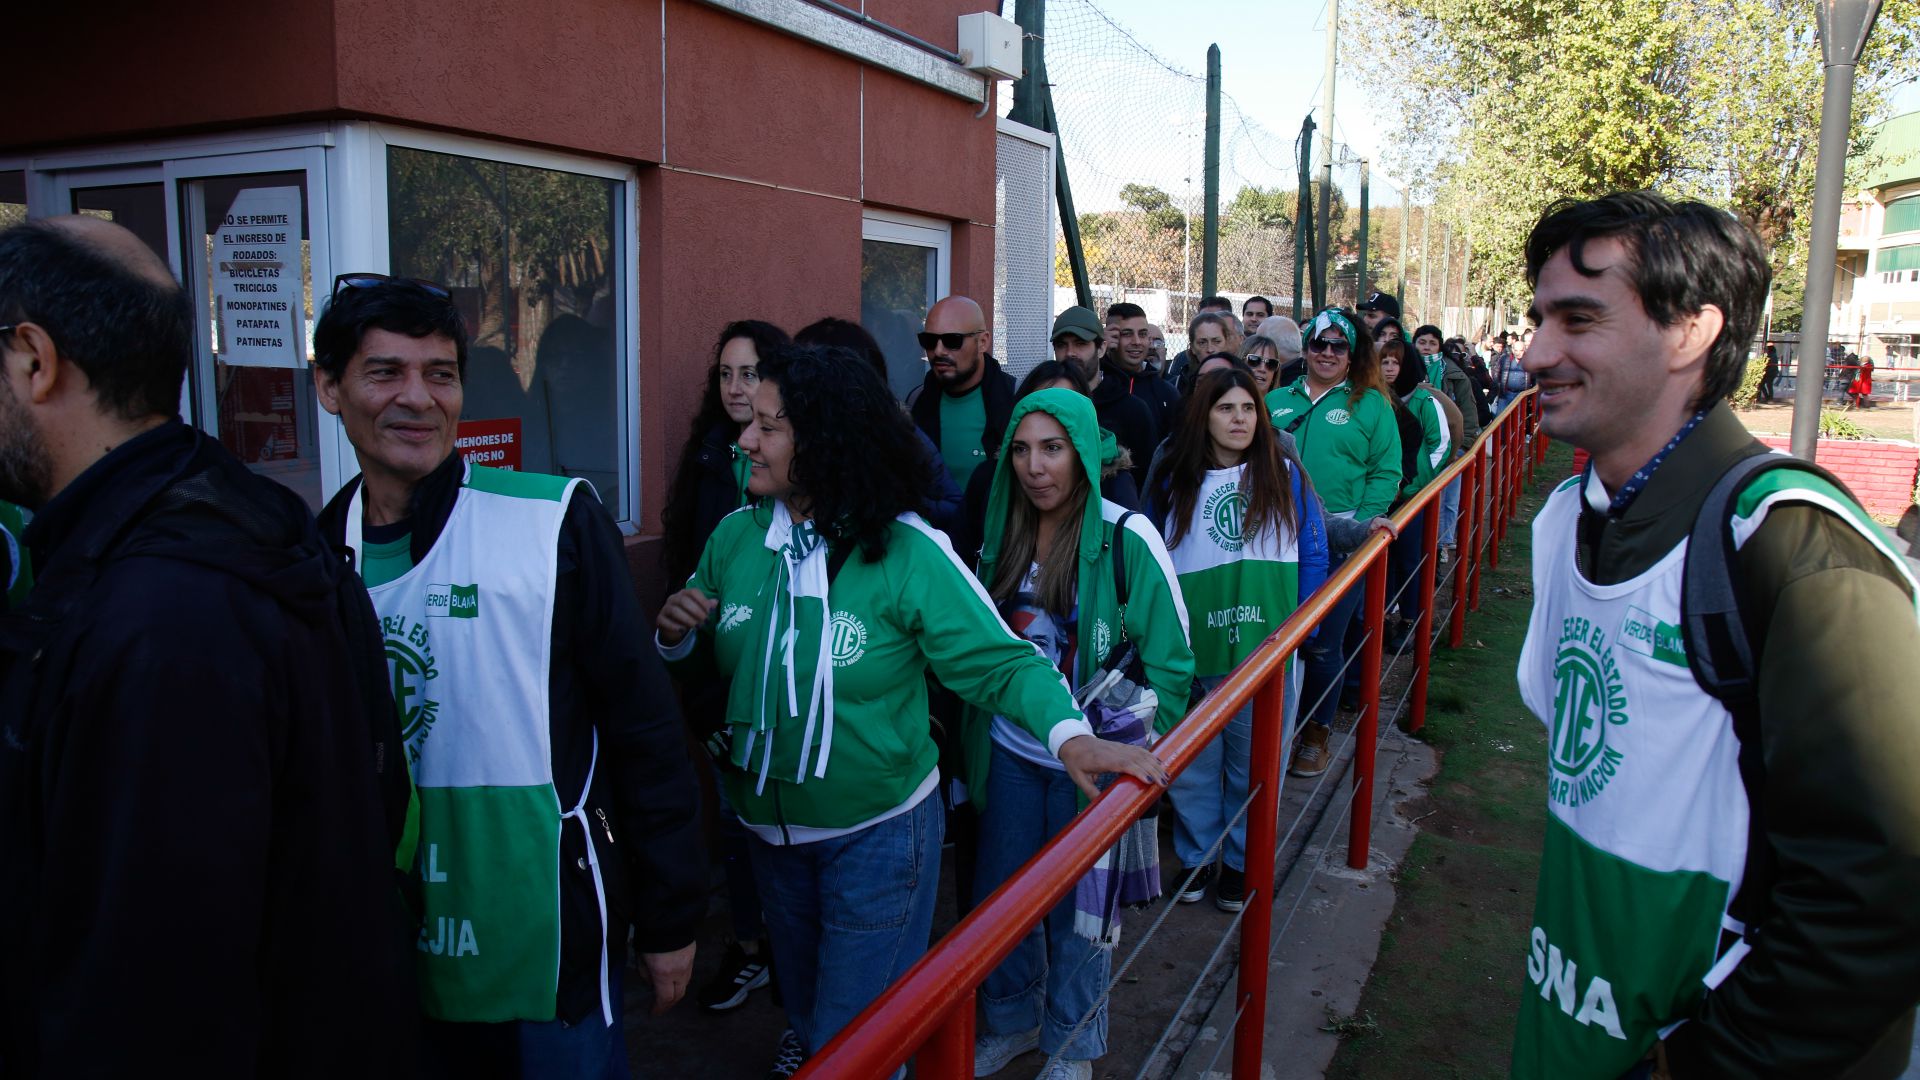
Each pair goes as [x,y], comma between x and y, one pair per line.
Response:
[1237,589]
[468,635]
[1647,815]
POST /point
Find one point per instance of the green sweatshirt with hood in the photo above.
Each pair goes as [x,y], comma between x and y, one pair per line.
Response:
[884,624]
[1351,448]
[1155,616]
[1434,449]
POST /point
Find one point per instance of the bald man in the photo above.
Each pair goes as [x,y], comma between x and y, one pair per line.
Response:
[964,403]
[200,780]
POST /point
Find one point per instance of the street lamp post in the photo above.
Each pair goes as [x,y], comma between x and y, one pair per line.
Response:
[1844,25]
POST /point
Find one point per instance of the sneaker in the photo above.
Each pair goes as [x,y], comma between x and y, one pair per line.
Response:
[1188,893]
[1446,554]
[991,1053]
[740,974]
[1061,1069]
[1231,893]
[788,1059]
[1310,757]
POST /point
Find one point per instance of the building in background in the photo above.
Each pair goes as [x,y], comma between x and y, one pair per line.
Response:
[1876,293]
[602,183]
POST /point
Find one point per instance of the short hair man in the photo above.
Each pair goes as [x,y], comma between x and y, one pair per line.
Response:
[1216,303]
[1737,875]
[1253,311]
[200,778]
[1078,340]
[1129,365]
[964,403]
[541,729]
[1378,306]
[1158,359]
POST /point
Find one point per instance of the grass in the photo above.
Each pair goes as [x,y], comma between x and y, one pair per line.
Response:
[1443,996]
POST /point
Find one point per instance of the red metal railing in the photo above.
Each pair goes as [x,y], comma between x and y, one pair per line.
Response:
[929,1014]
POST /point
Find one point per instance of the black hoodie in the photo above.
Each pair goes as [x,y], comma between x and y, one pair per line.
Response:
[200,787]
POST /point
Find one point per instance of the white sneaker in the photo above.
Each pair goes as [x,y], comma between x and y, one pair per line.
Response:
[1060,1069]
[991,1053]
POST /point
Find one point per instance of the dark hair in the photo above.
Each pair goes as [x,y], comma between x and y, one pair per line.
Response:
[1215,302]
[1388,321]
[845,334]
[1680,258]
[1123,310]
[1190,378]
[1264,485]
[685,535]
[399,307]
[855,454]
[130,335]
[1411,372]
[1050,371]
[1429,328]
[1264,302]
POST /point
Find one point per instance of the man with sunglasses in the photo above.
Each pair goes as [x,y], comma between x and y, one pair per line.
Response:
[964,403]
[555,803]
[200,780]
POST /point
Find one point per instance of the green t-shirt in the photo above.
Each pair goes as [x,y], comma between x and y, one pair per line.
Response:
[384,553]
[963,423]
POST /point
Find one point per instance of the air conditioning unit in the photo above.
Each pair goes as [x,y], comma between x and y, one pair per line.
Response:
[990,45]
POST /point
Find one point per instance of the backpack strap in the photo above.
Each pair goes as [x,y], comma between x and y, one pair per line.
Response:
[1720,653]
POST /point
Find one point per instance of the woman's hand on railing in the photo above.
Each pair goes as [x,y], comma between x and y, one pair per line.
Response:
[682,614]
[1386,525]
[1087,758]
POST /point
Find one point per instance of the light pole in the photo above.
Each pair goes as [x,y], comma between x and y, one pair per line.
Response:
[1844,25]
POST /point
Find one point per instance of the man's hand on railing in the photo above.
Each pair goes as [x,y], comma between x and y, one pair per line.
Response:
[1087,758]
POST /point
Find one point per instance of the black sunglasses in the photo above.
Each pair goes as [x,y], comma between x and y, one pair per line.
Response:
[951,341]
[1337,347]
[371,280]
[1263,362]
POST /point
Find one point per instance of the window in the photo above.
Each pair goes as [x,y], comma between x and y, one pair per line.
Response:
[1905,257]
[903,270]
[534,259]
[1903,215]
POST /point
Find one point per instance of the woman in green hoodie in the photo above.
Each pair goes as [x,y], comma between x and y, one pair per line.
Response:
[1049,563]
[825,603]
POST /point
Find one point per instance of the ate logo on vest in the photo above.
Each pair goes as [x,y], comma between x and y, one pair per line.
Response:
[1589,699]
[847,637]
[410,659]
[1102,638]
[1224,512]
[1337,417]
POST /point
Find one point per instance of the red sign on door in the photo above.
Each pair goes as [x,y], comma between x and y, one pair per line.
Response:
[493,443]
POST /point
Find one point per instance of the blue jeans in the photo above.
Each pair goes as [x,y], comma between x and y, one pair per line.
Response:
[1208,795]
[1327,653]
[591,1049]
[1450,510]
[1054,976]
[848,916]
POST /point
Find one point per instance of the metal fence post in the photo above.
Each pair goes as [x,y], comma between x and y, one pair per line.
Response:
[1267,766]
[1476,529]
[1496,491]
[1423,643]
[1210,216]
[1366,732]
[948,1052]
[1462,532]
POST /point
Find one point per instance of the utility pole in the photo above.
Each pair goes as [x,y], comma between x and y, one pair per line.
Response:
[1844,26]
[1426,263]
[1210,251]
[1406,223]
[1360,281]
[1468,326]
[1029,105]
[1302,218]
[1326,149]
[1446,276]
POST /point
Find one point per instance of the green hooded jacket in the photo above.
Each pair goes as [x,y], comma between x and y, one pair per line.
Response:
[1155,619]
[1434,450]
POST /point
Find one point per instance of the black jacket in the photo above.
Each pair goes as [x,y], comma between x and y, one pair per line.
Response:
[996,389]
[201,786]
[1130,420]
[1161,399]
[606,675]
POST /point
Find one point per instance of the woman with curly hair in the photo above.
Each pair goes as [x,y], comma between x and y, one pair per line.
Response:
[1248,543]
[825,604]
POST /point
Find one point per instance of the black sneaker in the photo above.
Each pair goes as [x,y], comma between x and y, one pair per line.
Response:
[1191,892]
[788,1059]
[1231,893]
[739,975]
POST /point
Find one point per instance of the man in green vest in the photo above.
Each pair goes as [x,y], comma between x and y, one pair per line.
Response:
[555,803]
[1728,879]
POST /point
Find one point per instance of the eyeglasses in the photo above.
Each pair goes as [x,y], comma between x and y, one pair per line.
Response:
[371,280]
[1336,346]
[1263,362]
[951,341]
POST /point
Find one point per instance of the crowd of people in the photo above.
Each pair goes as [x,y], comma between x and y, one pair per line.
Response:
[426,767]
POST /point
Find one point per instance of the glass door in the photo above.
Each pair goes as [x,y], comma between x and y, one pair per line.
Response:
[251,251]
